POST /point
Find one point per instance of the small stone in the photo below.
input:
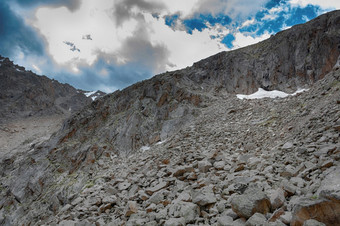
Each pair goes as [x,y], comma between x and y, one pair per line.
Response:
[204,166]
[123,186]
[277,198]
[181,170]
[156,197]
[66,208]
[289,188]
[77,201]
[239,168]
[156,188]
[131,208]
[225,221]
[287,145]
[219,165]
[256,219]
[204,196]
[189,211]
[312,222]
[175,222]
[286,217]
[109,199]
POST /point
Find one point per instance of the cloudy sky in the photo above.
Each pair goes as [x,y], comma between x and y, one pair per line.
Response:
[110,44]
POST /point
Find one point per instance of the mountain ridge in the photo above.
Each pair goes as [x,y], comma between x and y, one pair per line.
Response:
[24,94]
[181,149]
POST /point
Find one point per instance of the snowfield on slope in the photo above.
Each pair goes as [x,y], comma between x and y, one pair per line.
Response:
[261,93]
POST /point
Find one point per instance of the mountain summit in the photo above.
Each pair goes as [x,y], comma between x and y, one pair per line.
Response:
[182,149]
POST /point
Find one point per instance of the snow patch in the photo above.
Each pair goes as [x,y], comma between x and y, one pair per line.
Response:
[161,142]
[145,148]
[261,93]
[90,93]
[19,70]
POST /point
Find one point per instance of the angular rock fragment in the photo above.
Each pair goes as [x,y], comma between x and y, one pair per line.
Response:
[252,201]
[189,211]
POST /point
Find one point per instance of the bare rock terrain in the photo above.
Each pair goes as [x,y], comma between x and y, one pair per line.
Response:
[182,149]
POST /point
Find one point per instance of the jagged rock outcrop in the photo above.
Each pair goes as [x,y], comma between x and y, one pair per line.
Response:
[24,94]
[291,59]
[180,148]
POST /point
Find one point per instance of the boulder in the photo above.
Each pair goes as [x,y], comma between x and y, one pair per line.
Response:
[324,210]
[225,221]
[312,222]
[277,198]
[187,210]
[204,196]
[175,222]
[256,219]
[252,201]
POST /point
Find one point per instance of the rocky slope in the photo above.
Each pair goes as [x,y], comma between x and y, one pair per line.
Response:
[180,148]
[25,94]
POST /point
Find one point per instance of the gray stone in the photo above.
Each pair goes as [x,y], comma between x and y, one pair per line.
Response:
[156,197]
[124,186]
[204,196]
[277,198]
[312,222]
[256,220]
[204,166]
[175,222]
[156,188]
[225,221]
[286,217]
[189,211]
[287,145]
[109,199]
[252,201]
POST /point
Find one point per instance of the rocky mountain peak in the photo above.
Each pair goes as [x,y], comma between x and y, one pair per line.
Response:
[24,94]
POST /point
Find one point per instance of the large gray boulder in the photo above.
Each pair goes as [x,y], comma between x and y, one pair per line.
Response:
[252,201]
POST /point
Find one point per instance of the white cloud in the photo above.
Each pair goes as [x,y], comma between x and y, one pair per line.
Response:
[242,40]
[185,48]
[326,4]
[137,36]
[248,22]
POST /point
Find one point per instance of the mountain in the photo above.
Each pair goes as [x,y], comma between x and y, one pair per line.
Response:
[181,148]
[25,94]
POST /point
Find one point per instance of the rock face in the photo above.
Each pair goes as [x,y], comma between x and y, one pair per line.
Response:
[179,149]
[291,59]
[24,94]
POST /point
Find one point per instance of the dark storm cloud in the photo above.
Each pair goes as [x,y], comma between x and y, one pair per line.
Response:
[118,76]
[139,49]
[70,4]
[123,9]
[16,35]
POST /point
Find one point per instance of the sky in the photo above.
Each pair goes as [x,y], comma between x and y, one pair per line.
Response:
[110,44]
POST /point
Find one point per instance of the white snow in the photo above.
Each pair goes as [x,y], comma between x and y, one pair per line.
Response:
[90,93]
[145,148]
[19,70]
[1,60]
[261,93]
[161,142]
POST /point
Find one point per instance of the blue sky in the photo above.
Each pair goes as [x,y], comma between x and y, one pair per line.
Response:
[110,44]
